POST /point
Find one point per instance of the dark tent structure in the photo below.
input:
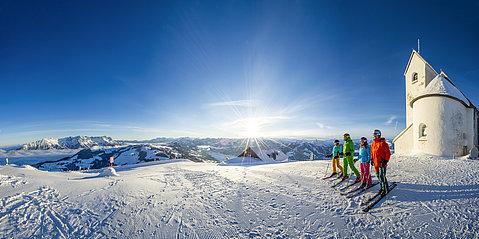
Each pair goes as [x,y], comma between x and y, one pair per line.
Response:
[248,152]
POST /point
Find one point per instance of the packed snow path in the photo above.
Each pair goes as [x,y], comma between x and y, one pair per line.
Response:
[435,198]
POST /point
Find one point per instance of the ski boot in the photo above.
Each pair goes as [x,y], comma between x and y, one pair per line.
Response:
[385,191]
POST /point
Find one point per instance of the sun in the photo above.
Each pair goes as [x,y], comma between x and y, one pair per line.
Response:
[250,127]
[253,126]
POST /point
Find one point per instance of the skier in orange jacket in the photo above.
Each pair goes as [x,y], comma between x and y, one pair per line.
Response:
[380,155]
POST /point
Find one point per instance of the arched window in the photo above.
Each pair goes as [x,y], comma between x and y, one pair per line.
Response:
[415,77]
[422,131]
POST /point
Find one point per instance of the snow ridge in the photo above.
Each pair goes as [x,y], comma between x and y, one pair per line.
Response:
[75,142]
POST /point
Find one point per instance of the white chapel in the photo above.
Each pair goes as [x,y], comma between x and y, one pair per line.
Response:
[440,119]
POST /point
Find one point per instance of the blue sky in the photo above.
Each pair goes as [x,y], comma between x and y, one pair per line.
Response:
[145,69]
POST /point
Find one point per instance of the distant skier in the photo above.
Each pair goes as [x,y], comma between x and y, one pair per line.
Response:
[112,161]
[348,157]
[365,158]
[337,149]
[380,155]
[6,161]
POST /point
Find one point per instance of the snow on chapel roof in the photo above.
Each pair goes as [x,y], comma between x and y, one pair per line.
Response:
[441,85]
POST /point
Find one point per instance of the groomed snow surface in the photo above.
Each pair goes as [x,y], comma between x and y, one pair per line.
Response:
[435,198]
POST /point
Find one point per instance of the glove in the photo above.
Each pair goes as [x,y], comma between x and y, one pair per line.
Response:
[348,153]
[355,160]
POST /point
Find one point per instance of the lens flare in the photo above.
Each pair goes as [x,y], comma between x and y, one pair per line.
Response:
[251,128]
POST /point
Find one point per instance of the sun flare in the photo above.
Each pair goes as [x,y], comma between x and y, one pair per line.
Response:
[251,128]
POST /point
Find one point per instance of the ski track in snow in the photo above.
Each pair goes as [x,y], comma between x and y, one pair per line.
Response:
[435,198]
[44,214]
[11,181]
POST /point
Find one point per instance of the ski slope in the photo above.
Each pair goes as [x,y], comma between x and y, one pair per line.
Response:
[435,198]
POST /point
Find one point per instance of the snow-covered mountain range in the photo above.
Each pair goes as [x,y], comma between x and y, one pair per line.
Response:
[75,142]
[99,158]
[220,148]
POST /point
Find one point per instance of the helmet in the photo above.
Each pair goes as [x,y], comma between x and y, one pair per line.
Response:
[336,141]
[346,135]
[377,132]
[364,141]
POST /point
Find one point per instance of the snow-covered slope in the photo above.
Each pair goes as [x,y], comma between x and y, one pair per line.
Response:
[99,158]
[435,198]
[31,157]
[75,142]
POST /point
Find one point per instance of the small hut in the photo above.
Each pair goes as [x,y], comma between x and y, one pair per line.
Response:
[249,153]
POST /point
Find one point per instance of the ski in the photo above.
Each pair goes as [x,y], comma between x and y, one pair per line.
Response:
[348,186]
[358,191]
[338,183]
[378,199]
[351,191]
[371,198]
[328,177]
[358,188]
[334,178]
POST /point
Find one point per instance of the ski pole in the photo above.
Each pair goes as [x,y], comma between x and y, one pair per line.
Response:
[326,173]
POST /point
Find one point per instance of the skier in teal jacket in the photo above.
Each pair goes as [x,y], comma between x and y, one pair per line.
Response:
[348,160]
[337,150]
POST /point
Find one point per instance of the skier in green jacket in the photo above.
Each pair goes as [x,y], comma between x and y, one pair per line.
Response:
[348,154]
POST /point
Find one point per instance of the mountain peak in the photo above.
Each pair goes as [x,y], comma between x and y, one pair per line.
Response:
[71,142]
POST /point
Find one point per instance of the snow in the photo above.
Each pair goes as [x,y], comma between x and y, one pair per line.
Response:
[108,172]
[442,86]
[219,156]
[11,181]
[265,158]
[94,159]
[28,167]
[128,157]
[243,161]
[20,157]
[267,155]
[435,198]
[74,142]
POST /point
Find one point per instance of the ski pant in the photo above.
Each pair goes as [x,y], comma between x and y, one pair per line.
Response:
[366,174]
[348,161]
[336,164]
[383,182]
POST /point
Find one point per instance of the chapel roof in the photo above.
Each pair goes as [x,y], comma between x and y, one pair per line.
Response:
[442,86]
